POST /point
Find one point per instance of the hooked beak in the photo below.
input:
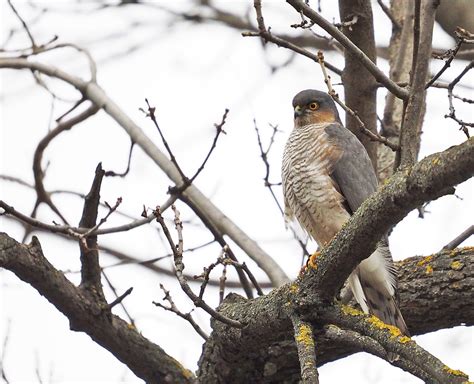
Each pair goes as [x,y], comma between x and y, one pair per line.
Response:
[298,111]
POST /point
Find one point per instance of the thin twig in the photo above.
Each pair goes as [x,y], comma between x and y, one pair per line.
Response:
[151,114]
[246,269]
[120,298]
[25,26]
[222,281]
[3,374]
[373,136]
[179,267]
[124,173]
[186,316]
[219,130]
[452,111]
[459,239]
[266,35]
[268,184]
[302,6]
[450,54]
[389,14]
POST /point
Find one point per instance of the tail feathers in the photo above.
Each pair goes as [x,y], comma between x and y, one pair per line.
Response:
[373,284]
[384,307]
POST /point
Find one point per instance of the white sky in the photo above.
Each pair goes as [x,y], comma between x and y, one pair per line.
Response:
[190,73]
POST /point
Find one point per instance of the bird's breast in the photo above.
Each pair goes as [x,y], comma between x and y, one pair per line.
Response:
[309,191]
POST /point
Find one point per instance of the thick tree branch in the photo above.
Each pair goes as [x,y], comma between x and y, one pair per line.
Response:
[147,360]
[435,293]
[410,130]
[90,270]
[360,87]
[431,178]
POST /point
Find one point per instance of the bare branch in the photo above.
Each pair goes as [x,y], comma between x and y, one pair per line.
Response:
[301,6]
[334,95]
[460,239]
[186,316]
[203,207]
[306,344]
[449,55]
[25,26]
[119,299]
[410,130]
[179,267]
[266,35]
[90,266]
[146,359]
[393,340]
[392,18]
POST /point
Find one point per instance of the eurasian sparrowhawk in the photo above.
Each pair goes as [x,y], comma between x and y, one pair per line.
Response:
[327,174]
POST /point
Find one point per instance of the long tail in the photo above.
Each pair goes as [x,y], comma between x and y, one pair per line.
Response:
[374,285]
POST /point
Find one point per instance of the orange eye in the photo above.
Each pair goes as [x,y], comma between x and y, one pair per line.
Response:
[313,106]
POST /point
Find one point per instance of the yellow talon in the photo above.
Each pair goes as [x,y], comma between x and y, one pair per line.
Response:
[312,259]
[310,263]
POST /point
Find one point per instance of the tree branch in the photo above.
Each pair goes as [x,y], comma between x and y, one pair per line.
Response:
[360,87]
[435,293]
[201,204]
[410,130]
[147,360]
[301,7]
[305,343]
[429,179]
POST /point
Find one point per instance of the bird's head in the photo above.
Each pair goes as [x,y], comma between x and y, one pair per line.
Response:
[314,107]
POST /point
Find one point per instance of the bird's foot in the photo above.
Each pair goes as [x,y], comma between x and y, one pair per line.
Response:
[310,263]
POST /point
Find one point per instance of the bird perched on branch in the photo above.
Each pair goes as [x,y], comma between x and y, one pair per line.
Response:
[327,174]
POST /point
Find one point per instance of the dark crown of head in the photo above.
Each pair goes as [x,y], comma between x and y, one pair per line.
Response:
[309,95]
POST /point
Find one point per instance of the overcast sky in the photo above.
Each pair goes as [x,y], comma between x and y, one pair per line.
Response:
[190,73]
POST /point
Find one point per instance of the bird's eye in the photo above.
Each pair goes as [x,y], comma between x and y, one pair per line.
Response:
[313,106]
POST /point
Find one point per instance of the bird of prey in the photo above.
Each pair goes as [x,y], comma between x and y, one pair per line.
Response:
[327,174]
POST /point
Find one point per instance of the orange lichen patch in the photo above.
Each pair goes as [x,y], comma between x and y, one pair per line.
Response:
[305,336]
[429,269]
[425,260]
[455,372]
[456,265]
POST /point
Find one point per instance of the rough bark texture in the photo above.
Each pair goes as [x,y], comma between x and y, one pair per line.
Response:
[414,111]
[435,293]
[400,58]
[360,87]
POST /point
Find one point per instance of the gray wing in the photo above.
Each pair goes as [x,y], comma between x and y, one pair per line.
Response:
[353,172]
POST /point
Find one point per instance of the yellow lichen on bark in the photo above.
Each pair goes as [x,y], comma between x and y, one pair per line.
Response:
[455,372]
[456,265]
[294,288]
[394,331]
[429,269]
[348,310]
[425,260]
[305,336]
